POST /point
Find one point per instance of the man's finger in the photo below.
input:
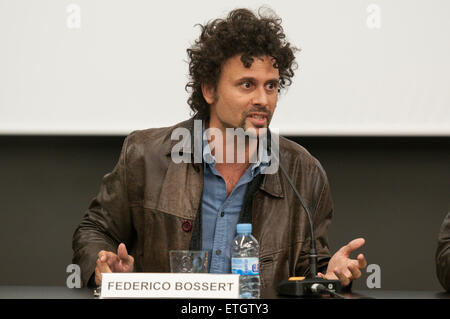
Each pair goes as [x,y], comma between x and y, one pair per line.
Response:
[342,278]
[362,263]
[329,276]
[98,277]
[354,269]
[106,256]
[101,255]
[126,261]
[103,267]
[352,246]
[110,258]
[123,253]
[99,269]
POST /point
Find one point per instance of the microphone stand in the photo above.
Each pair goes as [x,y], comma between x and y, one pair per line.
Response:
[312,286]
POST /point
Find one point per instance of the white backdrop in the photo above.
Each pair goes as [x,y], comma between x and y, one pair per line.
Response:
[379,67]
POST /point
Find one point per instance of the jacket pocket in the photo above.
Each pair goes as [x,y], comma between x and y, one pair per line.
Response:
[274,268]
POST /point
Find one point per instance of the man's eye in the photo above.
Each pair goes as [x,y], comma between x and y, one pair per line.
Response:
[247,85]
[271,86]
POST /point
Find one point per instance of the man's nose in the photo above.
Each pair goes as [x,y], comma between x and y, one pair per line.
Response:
[260,97]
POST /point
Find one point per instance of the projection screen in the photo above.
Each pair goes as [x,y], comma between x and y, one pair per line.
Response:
[108,67]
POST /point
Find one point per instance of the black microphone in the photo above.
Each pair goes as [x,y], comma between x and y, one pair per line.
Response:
[312,285]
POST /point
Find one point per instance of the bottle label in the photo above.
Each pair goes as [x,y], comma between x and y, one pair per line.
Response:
[245,265]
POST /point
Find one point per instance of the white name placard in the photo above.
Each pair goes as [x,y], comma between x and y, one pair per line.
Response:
[169,285]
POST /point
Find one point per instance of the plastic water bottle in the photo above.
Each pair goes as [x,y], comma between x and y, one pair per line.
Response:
[245,261]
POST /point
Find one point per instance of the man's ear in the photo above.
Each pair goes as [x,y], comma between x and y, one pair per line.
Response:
[208,92]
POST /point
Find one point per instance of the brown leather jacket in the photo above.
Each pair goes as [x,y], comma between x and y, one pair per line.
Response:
[148,200]
[443,254]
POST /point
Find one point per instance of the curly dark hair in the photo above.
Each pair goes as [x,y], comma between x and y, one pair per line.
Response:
[241,32]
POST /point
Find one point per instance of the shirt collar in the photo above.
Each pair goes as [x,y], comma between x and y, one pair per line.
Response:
[263,158]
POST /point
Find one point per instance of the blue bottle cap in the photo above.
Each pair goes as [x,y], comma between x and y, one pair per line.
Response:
[244,228]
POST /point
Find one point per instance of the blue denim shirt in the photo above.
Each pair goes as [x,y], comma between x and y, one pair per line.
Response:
[220,213]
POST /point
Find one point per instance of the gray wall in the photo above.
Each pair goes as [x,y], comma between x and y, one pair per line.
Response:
[392,191]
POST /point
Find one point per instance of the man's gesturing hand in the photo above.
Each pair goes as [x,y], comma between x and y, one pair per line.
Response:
[110,262]
[343,268]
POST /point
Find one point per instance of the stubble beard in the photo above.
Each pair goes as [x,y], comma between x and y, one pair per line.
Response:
[251,133]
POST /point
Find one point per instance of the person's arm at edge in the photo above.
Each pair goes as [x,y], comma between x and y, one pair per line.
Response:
[107,221]
[443,254]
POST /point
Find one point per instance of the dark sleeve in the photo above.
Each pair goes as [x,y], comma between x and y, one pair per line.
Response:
[443,254]
[106,223]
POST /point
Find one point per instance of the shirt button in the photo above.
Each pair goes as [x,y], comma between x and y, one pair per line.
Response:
[218,252]
[222,214]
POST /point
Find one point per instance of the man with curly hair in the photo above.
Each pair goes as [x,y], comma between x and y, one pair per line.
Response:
[151,204]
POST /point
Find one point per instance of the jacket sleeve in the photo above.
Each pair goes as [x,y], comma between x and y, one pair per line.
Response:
[443,254]
[107,221]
